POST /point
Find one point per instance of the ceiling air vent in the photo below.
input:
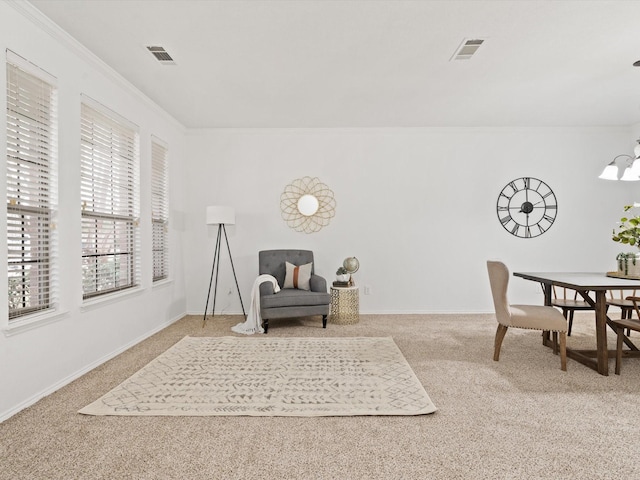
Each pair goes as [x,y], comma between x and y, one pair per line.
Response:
[161,55]
[467,48]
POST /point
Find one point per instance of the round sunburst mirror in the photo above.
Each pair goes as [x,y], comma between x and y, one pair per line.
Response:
[307,205]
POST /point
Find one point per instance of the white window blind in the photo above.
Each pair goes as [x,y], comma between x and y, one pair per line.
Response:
[31,187]
[159,210]
[109,195]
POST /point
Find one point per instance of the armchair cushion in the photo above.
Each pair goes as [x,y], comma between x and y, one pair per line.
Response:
[291,297]
[297,276]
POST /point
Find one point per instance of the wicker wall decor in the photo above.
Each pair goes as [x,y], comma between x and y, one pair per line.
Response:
[311,221]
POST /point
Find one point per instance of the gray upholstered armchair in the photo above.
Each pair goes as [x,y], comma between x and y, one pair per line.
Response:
[291,302]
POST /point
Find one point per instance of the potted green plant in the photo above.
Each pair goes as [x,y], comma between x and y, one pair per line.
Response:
[342,275]
[628,234]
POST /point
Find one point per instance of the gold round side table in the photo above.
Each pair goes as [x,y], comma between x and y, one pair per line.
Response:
[345,305]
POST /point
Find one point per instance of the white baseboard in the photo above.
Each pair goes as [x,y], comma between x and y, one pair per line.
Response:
[70,378]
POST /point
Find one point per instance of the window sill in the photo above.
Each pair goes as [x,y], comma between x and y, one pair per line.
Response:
[162,283]
[33,321]
[109,298]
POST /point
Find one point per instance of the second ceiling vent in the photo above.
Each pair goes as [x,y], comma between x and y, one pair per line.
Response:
[466,50]
[161,55]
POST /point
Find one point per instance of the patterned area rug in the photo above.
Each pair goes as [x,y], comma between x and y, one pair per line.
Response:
[306,377]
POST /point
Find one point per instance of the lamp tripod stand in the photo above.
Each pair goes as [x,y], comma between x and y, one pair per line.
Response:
[215,268]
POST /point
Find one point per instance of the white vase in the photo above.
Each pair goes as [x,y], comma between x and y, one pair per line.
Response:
[629,264]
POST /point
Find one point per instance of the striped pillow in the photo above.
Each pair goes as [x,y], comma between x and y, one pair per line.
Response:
[297,277]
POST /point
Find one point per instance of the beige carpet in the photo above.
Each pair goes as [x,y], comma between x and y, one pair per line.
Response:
[519,418]
[270,376]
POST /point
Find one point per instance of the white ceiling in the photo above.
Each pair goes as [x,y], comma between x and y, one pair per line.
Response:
[384,63]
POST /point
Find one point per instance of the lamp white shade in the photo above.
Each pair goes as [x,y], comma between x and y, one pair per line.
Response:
[217,215]
[610,172]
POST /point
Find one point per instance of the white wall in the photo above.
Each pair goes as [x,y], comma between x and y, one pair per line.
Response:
[38,360]
[416,206]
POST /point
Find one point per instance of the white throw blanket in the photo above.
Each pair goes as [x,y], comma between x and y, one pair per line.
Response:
[253,323]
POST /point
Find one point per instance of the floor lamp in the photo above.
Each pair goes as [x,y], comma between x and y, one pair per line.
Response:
[220,216]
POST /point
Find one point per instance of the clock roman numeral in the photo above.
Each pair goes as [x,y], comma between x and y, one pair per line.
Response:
[527,232]
[505,220]
[527,182]
[515,229]
[540,183]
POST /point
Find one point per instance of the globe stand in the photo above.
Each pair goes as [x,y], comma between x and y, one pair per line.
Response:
[351,265]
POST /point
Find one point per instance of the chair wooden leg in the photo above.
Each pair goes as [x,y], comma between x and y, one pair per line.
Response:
[627,313]
[563,351]
[555,343]
[570,323]
[500,333]
[324,321]
[546,337]
[620,332]
[265,324]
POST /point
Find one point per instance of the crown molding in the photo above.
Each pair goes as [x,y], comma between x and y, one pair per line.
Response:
[44,23]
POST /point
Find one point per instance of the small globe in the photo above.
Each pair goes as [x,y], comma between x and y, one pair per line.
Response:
[351,264]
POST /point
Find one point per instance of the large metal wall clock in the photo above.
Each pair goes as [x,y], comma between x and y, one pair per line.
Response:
[527,207]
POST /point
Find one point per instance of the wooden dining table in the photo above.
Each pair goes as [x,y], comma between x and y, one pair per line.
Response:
[584,283]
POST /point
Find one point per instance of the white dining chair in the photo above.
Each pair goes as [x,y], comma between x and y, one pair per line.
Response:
[535,317]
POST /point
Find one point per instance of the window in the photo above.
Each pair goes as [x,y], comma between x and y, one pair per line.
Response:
[159,210]
[109,196]
[31,187]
